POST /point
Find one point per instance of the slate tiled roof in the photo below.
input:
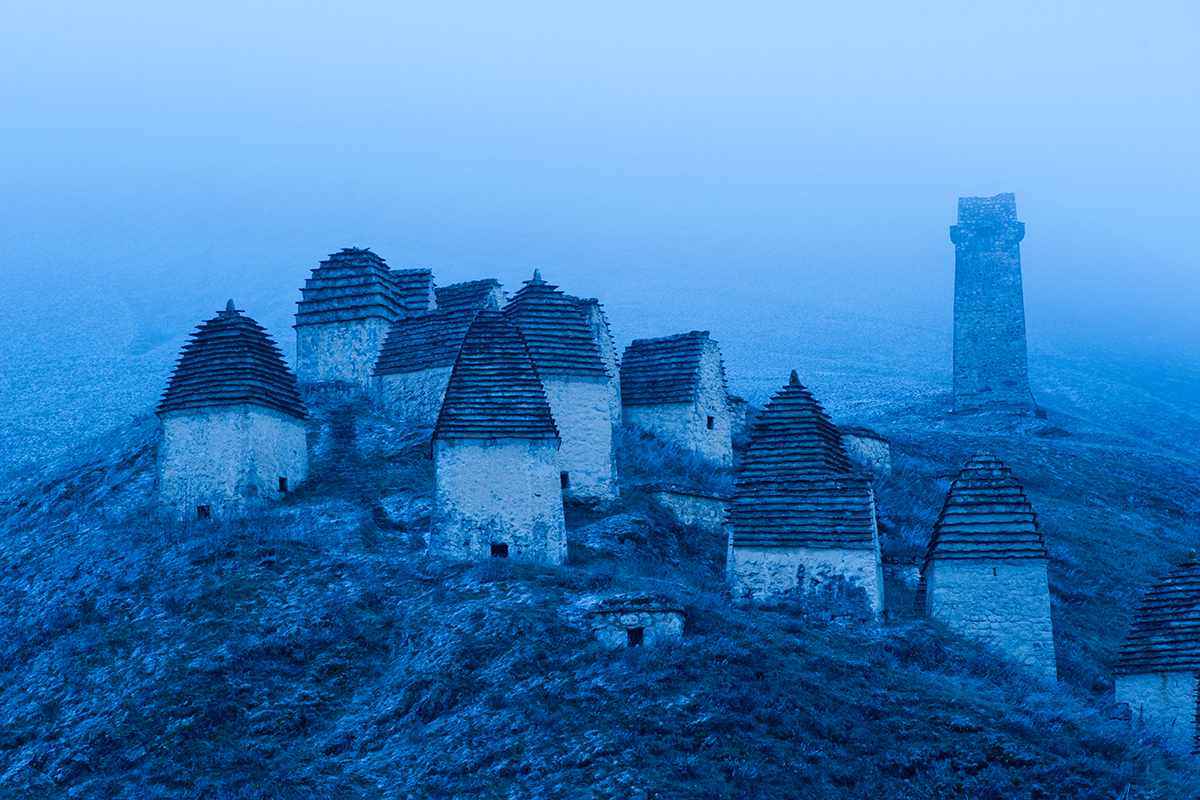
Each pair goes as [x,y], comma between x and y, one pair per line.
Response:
[555,329]
[424,341]
[986,515]
[471,294]
[1165,634]
[793,437]
[230,360]
[494,391]
[636,602]
[357,284]
[663,370]
[826,512]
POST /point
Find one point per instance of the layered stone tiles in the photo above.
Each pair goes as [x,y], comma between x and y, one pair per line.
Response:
[485,293]
[799,520]
[985,569]
[1159,665]
[416,359]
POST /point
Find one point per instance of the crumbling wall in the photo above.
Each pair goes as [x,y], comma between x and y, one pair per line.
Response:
[1163,699]
[658,626]
[692,507]
[876,453]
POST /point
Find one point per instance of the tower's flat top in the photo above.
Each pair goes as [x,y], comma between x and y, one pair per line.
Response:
[1001,208]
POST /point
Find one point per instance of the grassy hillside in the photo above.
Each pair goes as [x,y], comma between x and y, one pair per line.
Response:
[318,651]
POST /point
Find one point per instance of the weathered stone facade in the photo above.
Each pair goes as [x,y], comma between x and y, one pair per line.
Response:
[800,521]
[985,570]
[1159,665]
[693,508]
[568,360]
[598,324]
[348,307]
[867,447]
[990,358]
[233,426]
[414,366]
[637,620]
[496,471]
[674,387]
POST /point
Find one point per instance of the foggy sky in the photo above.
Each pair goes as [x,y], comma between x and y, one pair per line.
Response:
[757,169]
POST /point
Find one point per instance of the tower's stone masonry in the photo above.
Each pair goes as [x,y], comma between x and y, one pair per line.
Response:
[577,383]
[416,360]
[598,324]
[495,450]
[233,426]
[800,520]
[1159,665]
[674,387]
[990,359]
[985,570]
[633,620]
[348,307]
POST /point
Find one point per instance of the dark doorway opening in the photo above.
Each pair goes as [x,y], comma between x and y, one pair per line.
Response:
[634,636]
[283,485]
[203,512]
[499,550]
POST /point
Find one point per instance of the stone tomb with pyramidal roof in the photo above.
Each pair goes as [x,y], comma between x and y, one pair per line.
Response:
[800,521]
[346,310]
[985,570]
[674,387]
[568,361]
[495,449]
[1159,665]
[233,424]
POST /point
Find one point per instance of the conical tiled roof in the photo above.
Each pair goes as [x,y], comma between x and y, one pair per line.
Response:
[470,294]
[555,330]
[663,370]
[986,515]
[230,360]
[357,284]
[793,437]
[1165,634]
[424,341]
[494,391]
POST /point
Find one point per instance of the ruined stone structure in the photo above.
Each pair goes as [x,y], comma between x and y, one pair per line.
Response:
[738,411]
[348,306]
[674,387]
[985,570]
[990,360]
[800,520]
[1159,665]
[495,452]
[633,620]
[577,383]
[694,508]
[486,293]
[233,425]
[867,447]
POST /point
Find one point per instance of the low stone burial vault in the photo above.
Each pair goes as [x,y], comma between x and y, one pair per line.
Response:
[634,620]
[233,425]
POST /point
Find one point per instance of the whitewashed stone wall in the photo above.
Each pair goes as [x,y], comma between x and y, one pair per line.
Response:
[502,491]
[756,573]
[1004,603]
[658,627]
[415,396]
[339,352]
[1164,699]
[704,511]
[608,354]
[580,407]
[229,458]
[875,453]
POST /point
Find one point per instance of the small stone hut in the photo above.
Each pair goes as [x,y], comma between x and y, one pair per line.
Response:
[233,425]
[495,452]
[800,519]
[635,620]
[867,446]
[577,384]
[1159,666]
[985,570]
[348,306]
[674,387]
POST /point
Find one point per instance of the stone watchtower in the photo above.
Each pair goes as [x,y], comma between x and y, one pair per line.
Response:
[233,425]
[1159,665]
[985,569]
[495,454]
[569,362]
[348,305]
[990,359]
[800,521]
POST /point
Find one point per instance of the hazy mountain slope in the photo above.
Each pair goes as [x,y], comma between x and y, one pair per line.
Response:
[316,651]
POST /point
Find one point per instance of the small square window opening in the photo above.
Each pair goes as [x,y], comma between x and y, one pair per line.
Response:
[499,550]
[565,479]
[203,512]
[710,423]
[634,636]
[283,485]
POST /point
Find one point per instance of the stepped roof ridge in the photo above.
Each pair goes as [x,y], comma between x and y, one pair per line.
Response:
[663,370]
[230,360]
[793,437]
[494,390]
[556,330]
[1165,634]
[986,515]
[424,341]
[468,294]
[357,284]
